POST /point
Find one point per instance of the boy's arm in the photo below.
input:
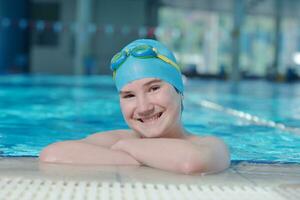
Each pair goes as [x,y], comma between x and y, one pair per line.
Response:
[80,152]
[108,138]
[185,156]
[94,149]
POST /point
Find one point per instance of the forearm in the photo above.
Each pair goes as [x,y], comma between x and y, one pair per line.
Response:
[78,152]
[108,138]
[163,153]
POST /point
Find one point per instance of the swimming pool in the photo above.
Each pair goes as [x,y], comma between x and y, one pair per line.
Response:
[38,110]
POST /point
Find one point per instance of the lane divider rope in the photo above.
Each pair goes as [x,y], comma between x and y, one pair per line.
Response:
[246,116]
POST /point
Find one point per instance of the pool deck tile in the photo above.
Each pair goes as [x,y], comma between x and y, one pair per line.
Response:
[238,174]
[266,174]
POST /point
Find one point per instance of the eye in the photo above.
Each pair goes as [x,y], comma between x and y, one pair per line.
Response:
[154,88]
[127,96]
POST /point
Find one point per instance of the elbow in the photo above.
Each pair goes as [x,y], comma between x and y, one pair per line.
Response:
[191,168]
[222,158]
[192,165]
[225,161]
[209,162]
[51,153]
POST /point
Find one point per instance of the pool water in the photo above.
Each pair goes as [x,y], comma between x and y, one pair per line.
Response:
[38,110]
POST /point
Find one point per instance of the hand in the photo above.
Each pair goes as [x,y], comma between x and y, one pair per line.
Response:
[126,146]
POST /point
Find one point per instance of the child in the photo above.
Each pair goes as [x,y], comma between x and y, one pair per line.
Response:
[150,88]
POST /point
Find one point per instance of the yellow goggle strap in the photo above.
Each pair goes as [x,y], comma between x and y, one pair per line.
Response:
[167,60]
[162,57]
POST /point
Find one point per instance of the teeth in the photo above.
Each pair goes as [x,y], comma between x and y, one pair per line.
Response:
[151,118]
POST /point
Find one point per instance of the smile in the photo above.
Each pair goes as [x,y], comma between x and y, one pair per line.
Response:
[151,118]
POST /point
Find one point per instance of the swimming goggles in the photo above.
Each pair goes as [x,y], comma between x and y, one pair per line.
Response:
[141,51]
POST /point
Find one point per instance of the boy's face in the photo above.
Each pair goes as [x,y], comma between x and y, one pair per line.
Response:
[151,107]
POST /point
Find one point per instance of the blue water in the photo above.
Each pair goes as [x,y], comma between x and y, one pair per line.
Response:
[38,110]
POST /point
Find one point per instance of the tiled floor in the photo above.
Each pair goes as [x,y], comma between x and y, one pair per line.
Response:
[28,179]
[238,174]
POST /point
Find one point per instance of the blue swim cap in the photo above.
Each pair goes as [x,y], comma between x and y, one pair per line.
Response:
[134,68]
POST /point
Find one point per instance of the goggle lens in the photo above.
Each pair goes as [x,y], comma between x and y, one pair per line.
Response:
[141,51]
[118,59]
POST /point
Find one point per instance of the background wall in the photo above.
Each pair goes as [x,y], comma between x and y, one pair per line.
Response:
[113,18]
[252,38]
[14,45]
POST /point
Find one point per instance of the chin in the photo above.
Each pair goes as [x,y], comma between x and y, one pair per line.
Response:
[149,133]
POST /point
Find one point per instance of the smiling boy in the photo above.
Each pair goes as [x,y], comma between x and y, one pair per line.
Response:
[150,87]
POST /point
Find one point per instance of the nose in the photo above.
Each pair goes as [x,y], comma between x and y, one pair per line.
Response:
[144,106]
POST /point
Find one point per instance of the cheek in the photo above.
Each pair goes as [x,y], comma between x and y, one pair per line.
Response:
[170,100]
[126,109]
[176,104]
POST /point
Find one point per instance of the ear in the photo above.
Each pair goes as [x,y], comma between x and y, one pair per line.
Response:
[182,97]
